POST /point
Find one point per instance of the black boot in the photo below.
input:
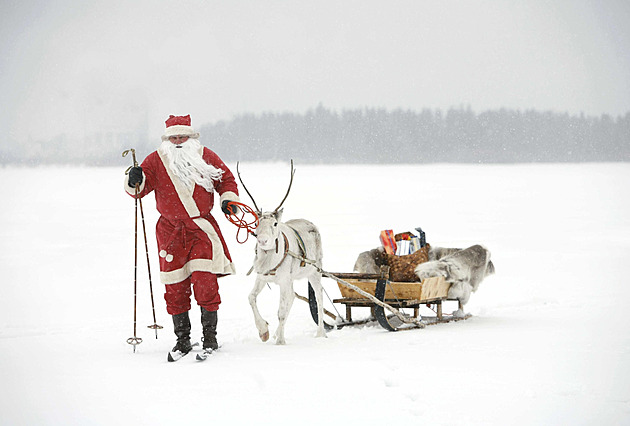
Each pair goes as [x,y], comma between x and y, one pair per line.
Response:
[181,323]
[209,323]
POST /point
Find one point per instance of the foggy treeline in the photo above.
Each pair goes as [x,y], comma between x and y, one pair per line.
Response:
[459,135]
[367,135]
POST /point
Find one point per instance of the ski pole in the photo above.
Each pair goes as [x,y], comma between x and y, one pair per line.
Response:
[135,340]
[155,325]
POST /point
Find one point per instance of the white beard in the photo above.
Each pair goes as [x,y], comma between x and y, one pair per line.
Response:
[186,162]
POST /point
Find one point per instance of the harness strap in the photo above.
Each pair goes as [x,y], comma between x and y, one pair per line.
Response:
[301,245]
[302,254]
[284,255]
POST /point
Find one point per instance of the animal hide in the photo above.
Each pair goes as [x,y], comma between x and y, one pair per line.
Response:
[463,269]
[370,262]
[436,253]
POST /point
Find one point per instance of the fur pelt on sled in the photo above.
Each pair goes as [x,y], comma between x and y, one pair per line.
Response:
[463,269]
[370,262]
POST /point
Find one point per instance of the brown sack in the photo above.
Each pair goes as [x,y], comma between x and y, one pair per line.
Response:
[401,268]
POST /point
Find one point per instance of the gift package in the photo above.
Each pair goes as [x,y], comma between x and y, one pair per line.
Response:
[403,243]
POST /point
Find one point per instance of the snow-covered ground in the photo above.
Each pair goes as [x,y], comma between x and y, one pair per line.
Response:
[549,342]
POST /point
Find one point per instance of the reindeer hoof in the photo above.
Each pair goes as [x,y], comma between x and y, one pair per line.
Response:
[264,336]
[459,313]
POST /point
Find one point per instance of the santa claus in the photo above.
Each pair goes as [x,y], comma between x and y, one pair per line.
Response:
[185,176]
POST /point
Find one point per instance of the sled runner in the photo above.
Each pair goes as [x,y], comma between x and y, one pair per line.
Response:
[431,292]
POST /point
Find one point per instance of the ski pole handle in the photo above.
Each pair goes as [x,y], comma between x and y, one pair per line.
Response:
[133,155]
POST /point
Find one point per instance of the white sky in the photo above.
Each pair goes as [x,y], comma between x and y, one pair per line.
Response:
[78,67]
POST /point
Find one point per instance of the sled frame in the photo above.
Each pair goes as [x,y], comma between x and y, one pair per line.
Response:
[435,294]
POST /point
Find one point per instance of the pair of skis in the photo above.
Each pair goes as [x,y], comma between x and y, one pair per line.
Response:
[177,355]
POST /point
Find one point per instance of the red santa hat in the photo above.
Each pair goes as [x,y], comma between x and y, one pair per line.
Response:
[179,126]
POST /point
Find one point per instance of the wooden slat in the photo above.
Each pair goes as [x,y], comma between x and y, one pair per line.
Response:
[434,287]
[394,290]
[351,275]
[430,288]
[368,303]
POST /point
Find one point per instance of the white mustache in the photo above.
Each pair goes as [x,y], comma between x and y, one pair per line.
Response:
[186,162]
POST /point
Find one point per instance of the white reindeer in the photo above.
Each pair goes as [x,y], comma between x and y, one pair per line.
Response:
[275,243]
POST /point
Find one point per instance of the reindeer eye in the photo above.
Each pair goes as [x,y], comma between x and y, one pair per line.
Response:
[275,224]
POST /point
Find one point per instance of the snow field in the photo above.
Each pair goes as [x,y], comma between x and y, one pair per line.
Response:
[549,342]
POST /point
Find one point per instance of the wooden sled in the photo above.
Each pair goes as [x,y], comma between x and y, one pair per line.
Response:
[431,291]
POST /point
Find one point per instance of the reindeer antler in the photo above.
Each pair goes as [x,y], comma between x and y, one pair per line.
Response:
[246,190]
[287,194]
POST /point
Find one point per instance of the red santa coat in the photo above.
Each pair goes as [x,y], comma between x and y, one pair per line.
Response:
[189,238]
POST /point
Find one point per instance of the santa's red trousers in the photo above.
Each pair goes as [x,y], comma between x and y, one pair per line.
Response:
[206,290]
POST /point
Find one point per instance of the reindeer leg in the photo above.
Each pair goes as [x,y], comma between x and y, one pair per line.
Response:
[287,296]
[315,281]
[261,324]
[462,300]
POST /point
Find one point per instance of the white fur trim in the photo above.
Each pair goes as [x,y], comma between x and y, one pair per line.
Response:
[219,264]
[180,130]
[195,265]
[230,196]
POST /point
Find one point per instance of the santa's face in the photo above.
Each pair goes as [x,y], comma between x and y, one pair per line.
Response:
[184,158]
[178,139]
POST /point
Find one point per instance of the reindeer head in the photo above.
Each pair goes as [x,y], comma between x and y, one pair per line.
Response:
[267,232]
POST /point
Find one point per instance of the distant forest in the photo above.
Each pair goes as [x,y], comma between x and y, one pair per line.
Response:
[369,135]
[402,136]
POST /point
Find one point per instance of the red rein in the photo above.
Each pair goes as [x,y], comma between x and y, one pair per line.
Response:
[240,222]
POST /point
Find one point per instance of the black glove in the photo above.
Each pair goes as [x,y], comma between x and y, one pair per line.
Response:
[135,176]
[228,208]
